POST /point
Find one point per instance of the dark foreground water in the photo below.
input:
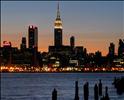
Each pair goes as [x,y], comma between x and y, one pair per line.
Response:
[39,86]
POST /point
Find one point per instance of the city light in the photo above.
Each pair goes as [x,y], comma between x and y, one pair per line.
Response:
[15,68]
[60,57]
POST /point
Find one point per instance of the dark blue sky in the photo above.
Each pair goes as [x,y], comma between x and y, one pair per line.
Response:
[93,23]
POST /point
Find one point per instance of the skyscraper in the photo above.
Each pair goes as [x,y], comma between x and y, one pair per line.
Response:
[7,52]
[23,44]
[33,37]
[33,43]
[111,50]
[72,41]
[58,30]
[121,48]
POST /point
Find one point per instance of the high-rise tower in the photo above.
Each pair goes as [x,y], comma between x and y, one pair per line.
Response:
[112,49]
[23,44]
[33,43]
[33,37]
[58,30]
[121,48]
[72,41]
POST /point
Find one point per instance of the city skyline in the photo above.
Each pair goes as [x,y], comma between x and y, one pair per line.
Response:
[105,25]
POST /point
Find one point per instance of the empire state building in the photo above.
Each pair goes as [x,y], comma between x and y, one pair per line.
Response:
[58,30]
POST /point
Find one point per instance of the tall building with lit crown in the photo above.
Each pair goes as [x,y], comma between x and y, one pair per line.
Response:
[58,30]
[33,37]
[33,43]
[59,54]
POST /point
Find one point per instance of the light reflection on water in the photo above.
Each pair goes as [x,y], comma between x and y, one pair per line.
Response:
[39,86]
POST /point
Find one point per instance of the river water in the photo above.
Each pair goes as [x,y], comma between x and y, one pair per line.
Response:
[39,86]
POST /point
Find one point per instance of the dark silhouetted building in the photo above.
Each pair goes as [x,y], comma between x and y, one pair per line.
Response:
[58,30]
[7,52]
[79,49]
[33,43]
[23,44]
[112,50]
[98,58]
[85,52]
[121,48]
[72,41]
[79,54]
[111,54]
[33,37]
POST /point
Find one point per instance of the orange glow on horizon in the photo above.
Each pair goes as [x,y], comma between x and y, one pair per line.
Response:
[44,41]
[90,49]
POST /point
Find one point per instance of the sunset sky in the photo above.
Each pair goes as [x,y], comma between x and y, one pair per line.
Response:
[93,23]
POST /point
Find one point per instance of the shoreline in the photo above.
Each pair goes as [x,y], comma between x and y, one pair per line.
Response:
[71,72]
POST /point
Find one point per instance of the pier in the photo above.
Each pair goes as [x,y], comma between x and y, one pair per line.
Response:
[97,92]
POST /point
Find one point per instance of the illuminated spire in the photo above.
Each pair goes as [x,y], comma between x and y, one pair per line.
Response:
[58,22]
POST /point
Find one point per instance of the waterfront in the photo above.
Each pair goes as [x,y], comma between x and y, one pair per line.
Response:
[30,69]
[39,86]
